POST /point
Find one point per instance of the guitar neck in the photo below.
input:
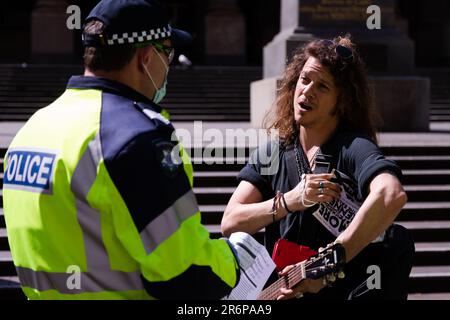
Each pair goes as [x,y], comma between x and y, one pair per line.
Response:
[294,276]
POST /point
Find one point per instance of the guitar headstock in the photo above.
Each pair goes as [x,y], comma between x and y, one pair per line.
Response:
[329,261]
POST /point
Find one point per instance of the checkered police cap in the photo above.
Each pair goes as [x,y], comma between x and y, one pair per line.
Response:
[131,22]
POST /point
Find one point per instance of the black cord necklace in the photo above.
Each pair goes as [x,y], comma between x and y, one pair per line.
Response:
[303,165]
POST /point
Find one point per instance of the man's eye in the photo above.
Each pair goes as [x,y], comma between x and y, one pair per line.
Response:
[323,87]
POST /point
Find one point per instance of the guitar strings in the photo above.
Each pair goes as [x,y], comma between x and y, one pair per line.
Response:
[290,276]
[298,273]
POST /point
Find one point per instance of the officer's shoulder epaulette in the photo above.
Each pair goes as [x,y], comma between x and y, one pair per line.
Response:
[151,114]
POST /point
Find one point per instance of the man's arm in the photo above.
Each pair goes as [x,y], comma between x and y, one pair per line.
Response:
[246,211]
[385,200]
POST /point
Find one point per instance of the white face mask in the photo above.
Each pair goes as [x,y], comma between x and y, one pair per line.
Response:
[161,92]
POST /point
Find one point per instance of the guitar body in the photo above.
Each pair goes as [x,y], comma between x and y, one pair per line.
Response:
[286,253]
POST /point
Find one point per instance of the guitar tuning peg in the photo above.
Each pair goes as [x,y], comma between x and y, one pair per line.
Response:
[332,277]
[341,275]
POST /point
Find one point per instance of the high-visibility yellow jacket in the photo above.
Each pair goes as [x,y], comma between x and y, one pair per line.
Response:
[98,205]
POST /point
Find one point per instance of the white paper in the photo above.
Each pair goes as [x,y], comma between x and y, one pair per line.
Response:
[256,267]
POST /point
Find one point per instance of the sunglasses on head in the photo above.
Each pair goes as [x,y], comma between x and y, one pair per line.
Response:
[343,52]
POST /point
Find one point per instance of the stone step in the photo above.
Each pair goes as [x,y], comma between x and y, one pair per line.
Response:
[6,264]
[416,211]
[212,213]
[4,245]
[10,288]
[2,219]
[426,177]
[429,279]
[419,193]
[429,296]
[440,118]
[413,151]
[432,253]
[438,112]
[440,106]
[213,195]
[440,100]
[422,162]
[428,231]
[218,164]
[216,179]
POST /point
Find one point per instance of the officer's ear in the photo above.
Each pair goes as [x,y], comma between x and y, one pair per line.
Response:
[144,56]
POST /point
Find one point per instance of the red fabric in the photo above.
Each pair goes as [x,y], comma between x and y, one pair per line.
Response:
[286,253]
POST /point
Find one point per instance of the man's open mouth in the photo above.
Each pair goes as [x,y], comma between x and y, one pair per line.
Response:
[305,106]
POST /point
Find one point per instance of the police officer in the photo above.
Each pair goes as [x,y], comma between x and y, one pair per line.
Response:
[97,205]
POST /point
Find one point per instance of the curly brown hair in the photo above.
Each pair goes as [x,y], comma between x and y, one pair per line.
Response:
[355,104]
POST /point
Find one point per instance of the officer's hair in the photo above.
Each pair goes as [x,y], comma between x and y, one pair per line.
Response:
[106,58]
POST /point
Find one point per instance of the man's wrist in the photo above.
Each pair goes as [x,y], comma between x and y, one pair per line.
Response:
[292,201]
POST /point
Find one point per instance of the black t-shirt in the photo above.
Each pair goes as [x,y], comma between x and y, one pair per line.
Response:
[350,152]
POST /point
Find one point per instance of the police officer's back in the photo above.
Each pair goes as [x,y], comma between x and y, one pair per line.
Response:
[92,182]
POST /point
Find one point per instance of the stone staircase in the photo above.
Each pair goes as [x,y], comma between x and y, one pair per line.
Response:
[440,93]
[222,95]
[197,93]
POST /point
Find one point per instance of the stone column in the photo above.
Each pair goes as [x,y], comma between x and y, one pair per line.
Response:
[387,51]
[224,33]
[51,40]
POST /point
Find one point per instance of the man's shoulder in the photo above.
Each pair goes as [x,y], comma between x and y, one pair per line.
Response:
[130,126]
[269,148]
[350,139]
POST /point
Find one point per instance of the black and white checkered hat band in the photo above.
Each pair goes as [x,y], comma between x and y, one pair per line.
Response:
[139,37]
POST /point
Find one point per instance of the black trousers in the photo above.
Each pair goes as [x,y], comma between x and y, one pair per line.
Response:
[393,258]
